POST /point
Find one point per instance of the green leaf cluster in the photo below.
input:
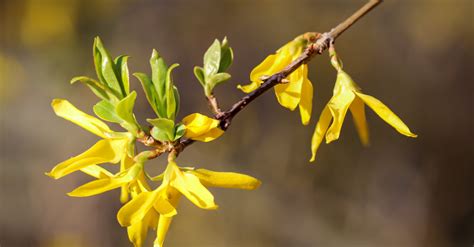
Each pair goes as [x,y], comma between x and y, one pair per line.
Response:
[113,87]
[163,97]
[217,59]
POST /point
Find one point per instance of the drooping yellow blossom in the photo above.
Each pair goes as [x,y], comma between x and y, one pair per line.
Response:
[138,230]
[143,209]
[299,90]
[201,128]
[348,96]
[113,148]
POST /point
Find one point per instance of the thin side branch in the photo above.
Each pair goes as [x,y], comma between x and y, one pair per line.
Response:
[318,47]
[212,101]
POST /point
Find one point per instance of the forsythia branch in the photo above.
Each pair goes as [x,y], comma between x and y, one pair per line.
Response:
[148,206]
[317,47]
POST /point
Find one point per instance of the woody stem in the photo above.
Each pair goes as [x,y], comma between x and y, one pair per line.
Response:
[320,45]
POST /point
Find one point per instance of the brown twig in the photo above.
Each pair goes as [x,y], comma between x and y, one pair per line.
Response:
[320,45]
[212,101]
[343,26]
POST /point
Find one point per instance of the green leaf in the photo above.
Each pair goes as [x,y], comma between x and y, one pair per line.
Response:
[122,71]
[171,105]
[218,78]
[217,59]
[214,80]
[124,110]
[106,110]
[179,131]
[177,99]
[149,90]
[160,90]
[97,88]
[227,56]
[106,67]
[125,107]
[163,129]
[212,58]
[159,70]
[98,60]
[199,73]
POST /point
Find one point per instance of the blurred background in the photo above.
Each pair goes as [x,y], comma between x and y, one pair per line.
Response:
[415,56]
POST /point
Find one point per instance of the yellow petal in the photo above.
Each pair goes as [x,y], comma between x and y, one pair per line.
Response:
[142,182]
[161,230]
[198,124]
[263,69]
[173,196]
[190,186]
[320,131]
[135,210]
[104,151]
[282,60]
[152,219]
[339,104]
[249,87]
[306,102]
[137,232]
[105,184]
[201,128]
[226,179]
[96,171]
[357,109]
[125,163]
[270,65]
[97,186]
[66,110]
[386,114]
[293,48]
[164,208]
[209,136]
[289,94]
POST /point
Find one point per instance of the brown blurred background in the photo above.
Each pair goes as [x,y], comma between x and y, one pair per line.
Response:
[416,56]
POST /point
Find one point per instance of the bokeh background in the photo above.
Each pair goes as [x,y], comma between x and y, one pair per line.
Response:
[416,56]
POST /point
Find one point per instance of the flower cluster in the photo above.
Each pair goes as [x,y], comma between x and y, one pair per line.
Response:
[151,202]
[298,90]
[348,96]
[146,205]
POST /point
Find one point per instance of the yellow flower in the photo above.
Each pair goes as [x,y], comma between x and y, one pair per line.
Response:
[201,128]
[348,96]
[138,230]
[143,209]
[113,148]
[299,90]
